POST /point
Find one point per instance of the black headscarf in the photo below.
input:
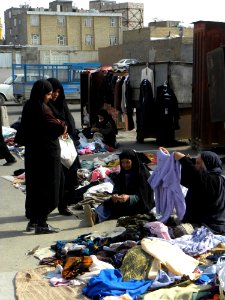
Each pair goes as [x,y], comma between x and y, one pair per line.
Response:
[141,174]
[132,155]
[212,162]
[61,109]
[108,118]
[40,88]
[58,103]
[32,114]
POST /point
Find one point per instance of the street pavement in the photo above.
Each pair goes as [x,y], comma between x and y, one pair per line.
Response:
[16,243]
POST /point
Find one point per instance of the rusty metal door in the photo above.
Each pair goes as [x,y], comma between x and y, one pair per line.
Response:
[216,84]
[205,133]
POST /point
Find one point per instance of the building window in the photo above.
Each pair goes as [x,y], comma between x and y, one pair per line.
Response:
[14,22]
[35,39]
[112,40]
[89,40]
[113,22]
[88,22]
[61,20]
[34,20]
[10,14]
[10,31]
[61,40]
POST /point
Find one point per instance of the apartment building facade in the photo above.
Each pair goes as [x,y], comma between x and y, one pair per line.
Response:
[132,13]
[62,28]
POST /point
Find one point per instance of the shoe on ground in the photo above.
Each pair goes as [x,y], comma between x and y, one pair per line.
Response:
[65,212]
[10,162]
[89,215]
[31,227]
[46,229]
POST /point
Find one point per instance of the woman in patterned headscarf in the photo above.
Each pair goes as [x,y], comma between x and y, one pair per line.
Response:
[205,198]
[41,129]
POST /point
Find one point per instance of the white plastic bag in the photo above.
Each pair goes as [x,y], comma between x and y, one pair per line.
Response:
[68,151]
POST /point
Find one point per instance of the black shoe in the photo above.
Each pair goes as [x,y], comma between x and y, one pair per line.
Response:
[10,162]
[31,227]
[65,212]
[46,229]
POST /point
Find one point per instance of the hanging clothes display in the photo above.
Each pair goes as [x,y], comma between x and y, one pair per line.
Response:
[126,103]
[148,74]
[167,115]
[103,89]
[145,112]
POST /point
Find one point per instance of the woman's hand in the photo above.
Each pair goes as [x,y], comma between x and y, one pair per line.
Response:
[123,198]
[120,198]
[164,150]
[178,155]
[94,129]
[115,198]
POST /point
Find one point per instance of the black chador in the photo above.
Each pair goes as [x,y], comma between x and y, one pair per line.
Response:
[167,115]
[146,111]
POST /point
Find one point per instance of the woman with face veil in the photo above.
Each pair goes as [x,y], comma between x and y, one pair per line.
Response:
[43,170]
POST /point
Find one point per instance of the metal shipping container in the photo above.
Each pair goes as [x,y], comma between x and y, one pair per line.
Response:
[207,119]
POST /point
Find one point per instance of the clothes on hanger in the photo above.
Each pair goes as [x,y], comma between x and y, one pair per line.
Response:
[147,73]
[145,113]
[167,115]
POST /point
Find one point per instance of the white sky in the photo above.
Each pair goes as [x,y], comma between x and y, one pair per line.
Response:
[178,10]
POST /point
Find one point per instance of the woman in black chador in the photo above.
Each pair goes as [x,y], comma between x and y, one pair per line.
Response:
[60,108]
[131,193]
[105,128]
[43,169]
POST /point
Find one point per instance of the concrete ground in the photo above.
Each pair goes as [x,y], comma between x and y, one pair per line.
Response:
[15,242]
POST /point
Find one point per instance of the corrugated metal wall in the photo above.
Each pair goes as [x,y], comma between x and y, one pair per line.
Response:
[205,133]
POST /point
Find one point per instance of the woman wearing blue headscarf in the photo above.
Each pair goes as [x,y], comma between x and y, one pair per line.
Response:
[205,198]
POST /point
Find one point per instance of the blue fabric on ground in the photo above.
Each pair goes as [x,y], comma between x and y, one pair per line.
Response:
[110,283]
[163,279]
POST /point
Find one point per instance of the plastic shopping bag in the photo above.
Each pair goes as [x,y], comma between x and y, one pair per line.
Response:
[68,151]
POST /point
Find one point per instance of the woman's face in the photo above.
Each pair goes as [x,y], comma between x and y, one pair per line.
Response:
[100,118]
[126,164]
[55,94]
[199,164]
[47,97]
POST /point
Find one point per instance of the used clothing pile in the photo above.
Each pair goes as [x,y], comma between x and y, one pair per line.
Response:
[142,267]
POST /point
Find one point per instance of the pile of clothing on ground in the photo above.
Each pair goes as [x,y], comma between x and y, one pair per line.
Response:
[91,146]
[95,178]
[139,260]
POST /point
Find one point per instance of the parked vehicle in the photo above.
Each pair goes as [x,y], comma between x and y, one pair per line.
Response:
[6,88]
[123,64]
[68,74]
